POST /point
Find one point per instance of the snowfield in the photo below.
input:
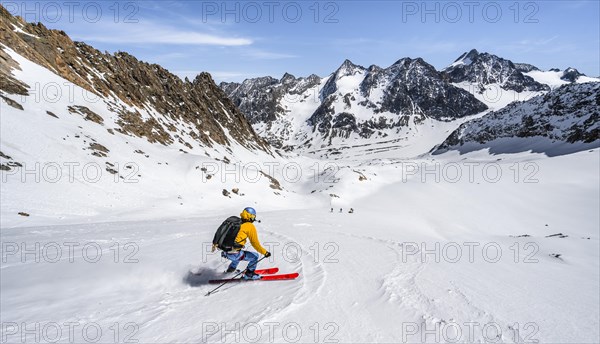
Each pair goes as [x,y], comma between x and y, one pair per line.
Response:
[508,251]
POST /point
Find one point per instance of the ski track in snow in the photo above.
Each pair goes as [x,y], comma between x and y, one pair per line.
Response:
[312,272]
[312,276]
[402,286]
[395,286]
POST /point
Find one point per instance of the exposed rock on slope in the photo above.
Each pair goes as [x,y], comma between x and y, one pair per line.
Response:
[484,69]
[571,75]
[568,114]
[163,105]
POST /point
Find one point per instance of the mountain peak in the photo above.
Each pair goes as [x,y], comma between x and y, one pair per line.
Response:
[472,53]
[402,61]
[465,59]
[406,62]
[287,78]
[348,68]
[347,63]
[485,68]
[202,78]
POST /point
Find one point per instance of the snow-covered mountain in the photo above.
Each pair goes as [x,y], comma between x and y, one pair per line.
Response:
[145,99]
[498,82]
[354,103]
[406,106]
[263,101]
[564,120]
[483,69]
[259,98]
[555,77]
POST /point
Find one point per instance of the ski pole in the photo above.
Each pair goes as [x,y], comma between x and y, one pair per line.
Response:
[229,280]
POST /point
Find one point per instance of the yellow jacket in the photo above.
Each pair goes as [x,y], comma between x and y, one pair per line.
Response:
[248,231]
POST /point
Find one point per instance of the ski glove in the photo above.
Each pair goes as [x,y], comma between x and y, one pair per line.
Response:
[267,254]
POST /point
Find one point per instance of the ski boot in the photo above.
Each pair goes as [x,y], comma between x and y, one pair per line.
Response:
[230,270]
[250,275]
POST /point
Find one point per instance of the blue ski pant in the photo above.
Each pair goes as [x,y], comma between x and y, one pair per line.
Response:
[237,257]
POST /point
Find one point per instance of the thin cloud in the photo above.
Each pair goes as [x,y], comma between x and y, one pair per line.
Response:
[266,55]
[549,45]
[537,42]
[152,33]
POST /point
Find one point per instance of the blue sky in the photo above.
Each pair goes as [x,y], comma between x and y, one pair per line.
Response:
[234,40]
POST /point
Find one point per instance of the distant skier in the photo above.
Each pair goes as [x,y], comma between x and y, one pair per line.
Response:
[332,210]
[340,210]
[231,238]
[351,210]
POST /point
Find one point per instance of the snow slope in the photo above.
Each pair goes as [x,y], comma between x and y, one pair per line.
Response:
[362,276]
[553,78]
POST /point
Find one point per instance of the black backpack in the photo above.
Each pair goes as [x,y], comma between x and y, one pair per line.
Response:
[226,233]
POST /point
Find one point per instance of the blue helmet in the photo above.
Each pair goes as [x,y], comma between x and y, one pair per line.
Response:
[248,214]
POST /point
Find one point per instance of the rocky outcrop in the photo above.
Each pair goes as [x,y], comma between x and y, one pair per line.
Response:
[571,75]
[525,67]
[8,83]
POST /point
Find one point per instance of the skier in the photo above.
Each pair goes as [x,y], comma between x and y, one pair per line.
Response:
[332,210]
[351,210]
[247,231]
[340,210]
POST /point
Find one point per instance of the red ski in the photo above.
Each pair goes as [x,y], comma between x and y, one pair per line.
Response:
[268,271]
[279,277]
[262,278]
